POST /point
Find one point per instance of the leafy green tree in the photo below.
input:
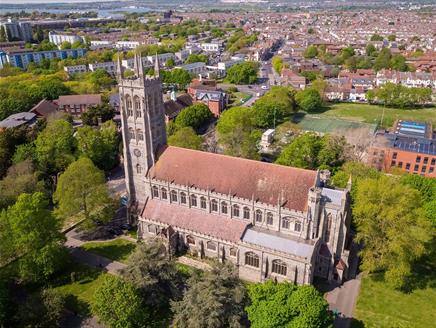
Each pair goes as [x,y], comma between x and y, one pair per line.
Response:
[196,58]
[302,152]
[177,76]
[309,100]
[333,152]
[78,44]
[101,146]
[398,63]
[103,112]
[21,178]
[392,37]
[186,138]
[155,276]
[170,63]
[397,95]
[376,37]
[217,299]
[194,116]
[24,152]
[3,35]
[244,73]
[273,107]
[66,45]
[370,49]
[384,213]
[311,52]
[277,64]
[101,80]
[355,170]
[54,146]
[287,305]
[42,310]
[118,304]
[9,140]
[383,59]
[32,236]
[82,193]
[237,132]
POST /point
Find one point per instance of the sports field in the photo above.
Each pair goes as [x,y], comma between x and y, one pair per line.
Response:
[322,124]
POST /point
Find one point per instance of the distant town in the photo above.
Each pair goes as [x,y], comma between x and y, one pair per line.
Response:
[218,164]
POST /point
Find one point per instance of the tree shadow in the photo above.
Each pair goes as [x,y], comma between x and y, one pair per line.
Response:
[77,306]
[355,323]
[423,274]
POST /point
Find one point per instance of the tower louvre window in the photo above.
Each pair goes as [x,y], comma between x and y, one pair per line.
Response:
[140,134]
[131,133]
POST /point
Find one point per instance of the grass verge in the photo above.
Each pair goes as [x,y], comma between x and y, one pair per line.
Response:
[116,250]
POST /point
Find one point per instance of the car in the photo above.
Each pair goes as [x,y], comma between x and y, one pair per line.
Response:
[264,87]
[250,87]
[126,226]
[115,231]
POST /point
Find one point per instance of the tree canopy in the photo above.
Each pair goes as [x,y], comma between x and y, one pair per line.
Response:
[194,116]
[244,73]
[118,304]
[309,99]
[397,95]
[385,212]
[82,192]
[215,300]
[275,305]
[186,138]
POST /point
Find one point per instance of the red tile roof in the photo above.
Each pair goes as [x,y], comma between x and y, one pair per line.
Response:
[194,220]
[244,178]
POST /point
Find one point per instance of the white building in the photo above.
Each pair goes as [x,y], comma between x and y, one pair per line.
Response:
[127,44]
[211,47]
[109,67]
[58,39]
[194,68]
[71,70]
[17,30]
[100,44]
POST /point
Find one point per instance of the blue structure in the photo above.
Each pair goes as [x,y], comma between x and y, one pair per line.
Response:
[22,58]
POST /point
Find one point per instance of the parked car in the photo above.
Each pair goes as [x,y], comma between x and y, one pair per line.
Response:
[126,226]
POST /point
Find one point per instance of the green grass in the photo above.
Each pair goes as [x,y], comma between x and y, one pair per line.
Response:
[380,306]
[372,113]
[116,250]
[79,283]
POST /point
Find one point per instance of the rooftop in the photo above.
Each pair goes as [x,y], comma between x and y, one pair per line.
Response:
[18,119]
[263,182]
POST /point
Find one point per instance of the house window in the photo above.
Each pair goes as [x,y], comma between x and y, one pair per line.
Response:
[138,168]
[214,205]
[155,191]
[151,229]
[164,194]
[211,246]
[258,216]
[173,196]
[424,168]
[193,200]
[393,163]
[131,133]
[394,156]
[297,226]
[286,223]
[190,240]
[252,259]
[140,134]
[418,159]
[246,213]
[269,218]
[279,267]
[224,207]
[328,228]
[408,166]
[233,252]
[400,164]
[183,198]
[416,167]
[433,161]
[431,169]
[236,210]
[203,202]
[425,160]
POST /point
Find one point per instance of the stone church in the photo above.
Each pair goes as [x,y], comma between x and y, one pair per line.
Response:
[271,221]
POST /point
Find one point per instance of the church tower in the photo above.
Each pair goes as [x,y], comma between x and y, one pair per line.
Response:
[143,127]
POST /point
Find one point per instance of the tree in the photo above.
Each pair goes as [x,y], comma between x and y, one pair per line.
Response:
[66,45]
[3,35]
[170,63]
[82,192]
[376,37]
[392,37]
[118,304]
[277,64]
[244,73]
[215,300]
[31,235]
[44,310]
[101,80]
[155,276]
[309,100]
[21,178]
[302,152]
[311,52]
[195,58]
[273,107]
[287,305]
[55,146]
[194,116]
[237,133]
[370,49]
[177,76]
[355,170]
[9,140]
[398,63]
[101,146]
[186,138]
[383,59]
[385,212]
[103,112]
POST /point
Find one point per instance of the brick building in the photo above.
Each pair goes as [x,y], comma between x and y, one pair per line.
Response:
[77,104]
[411,148]
[206,92]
